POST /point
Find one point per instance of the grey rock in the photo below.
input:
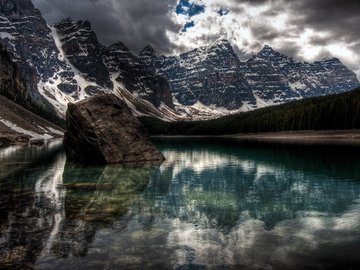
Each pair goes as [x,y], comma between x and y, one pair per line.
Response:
[102,129]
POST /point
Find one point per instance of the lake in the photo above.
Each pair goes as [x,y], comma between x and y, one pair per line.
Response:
[213,204]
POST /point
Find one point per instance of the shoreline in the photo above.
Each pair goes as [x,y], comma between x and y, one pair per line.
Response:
[339,136]
[12,139]
[303,135]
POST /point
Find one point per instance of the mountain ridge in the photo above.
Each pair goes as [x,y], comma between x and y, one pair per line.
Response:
[66,63]
[334,112]
[268,76]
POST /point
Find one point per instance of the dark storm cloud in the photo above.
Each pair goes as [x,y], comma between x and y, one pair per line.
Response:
[341,18]
[137,23]
[332,21]
[265,32]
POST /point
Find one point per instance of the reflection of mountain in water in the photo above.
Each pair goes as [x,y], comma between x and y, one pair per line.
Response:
[38,220]
[97,197]
[211,204]
[30,201]
[271,181]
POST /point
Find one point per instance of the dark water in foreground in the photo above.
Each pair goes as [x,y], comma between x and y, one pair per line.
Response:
[219,204]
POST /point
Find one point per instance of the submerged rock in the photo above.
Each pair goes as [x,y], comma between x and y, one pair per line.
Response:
[102,129]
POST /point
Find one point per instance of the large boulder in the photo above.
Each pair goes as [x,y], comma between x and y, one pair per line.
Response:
[102,129]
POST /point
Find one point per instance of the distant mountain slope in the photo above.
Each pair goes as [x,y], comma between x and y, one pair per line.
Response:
[334,112]
[210,75]
[214,76]
[19,125]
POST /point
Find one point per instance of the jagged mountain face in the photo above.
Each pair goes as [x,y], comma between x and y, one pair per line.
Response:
[82,49]
[11,83]
[129,70]
[277,77]
[17,124]
[266,80]
[66,63]
[210,75]
[214,75]
[28,40]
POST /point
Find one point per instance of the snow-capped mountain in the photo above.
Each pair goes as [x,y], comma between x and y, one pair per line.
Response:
[279,78]
[209,75]
[214,76]
[65,63]
[27,39]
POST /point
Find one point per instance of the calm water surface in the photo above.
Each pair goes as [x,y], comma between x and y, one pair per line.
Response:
[214,204]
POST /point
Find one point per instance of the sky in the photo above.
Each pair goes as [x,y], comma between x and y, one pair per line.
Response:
[307,30]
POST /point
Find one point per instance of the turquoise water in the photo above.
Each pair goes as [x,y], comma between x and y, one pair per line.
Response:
[213,204]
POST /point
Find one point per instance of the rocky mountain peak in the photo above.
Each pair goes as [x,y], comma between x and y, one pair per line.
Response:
[330,59]
[221,45]
[138,74]
[147,51]
[220,42]
[267,48]
[268,55]
[18,8]
[147,58]
[69,25]
[118,47]
[39,60]
[208,75]
[267,52]
[66,62]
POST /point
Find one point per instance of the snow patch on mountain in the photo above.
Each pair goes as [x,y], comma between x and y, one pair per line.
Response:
[297,86]
[66,63]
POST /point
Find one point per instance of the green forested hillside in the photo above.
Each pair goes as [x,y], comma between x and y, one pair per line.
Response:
[340,111]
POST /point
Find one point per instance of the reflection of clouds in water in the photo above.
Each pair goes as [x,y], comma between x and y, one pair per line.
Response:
[290,213]
[223,182]
[250,244]
[204,160]
[212,162]
[204,206]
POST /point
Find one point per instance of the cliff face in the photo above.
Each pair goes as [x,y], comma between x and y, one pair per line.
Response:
[17,124]
[210,75]
[29,43]
[214,76]
[82,49]
[11,82]
[129,70]
[279,78]
[66,63]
